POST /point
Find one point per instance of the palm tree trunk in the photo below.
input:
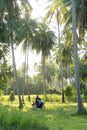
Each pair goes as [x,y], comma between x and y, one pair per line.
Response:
[14,65]
[61,67]
[81,108]
[24,79]
[27,75]
[43,71]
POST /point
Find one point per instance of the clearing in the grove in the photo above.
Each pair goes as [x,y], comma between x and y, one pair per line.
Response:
[55,116]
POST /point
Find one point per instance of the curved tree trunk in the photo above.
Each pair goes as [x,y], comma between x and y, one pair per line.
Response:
[14,65]
[15,72]
[81,108]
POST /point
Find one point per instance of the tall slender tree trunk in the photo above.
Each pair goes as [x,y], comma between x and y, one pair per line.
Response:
[14,65]
[81,108]
[43,71]
[61,67]
[27,75]
[24,79]
[69,73]
[10,15]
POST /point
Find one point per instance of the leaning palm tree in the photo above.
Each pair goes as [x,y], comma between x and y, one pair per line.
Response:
[81,108]
[8,10]
[79,12]
[44,41]
[68,22]
[10,14]
[68,19]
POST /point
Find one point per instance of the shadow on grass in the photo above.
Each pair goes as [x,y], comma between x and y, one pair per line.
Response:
[79,114]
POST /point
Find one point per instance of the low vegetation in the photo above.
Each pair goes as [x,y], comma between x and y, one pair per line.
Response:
[56,116]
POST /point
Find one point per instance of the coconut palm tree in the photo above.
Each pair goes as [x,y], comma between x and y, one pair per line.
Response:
[67,51]
[8,9]
[44,41]
[25,36]
[9,13]
[76,11]
[81,108]
[53,12]
[81,15]
[61,64]
[68,19]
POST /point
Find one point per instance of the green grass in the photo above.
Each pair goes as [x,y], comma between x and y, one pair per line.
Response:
[56,116]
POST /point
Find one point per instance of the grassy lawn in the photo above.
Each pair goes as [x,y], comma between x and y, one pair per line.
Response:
[56,116]
[61,117]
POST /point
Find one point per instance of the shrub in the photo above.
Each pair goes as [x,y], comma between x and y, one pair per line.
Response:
[53,91]
[51,98]
[1,92]
[84,91]
[12,96]
[69,91]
